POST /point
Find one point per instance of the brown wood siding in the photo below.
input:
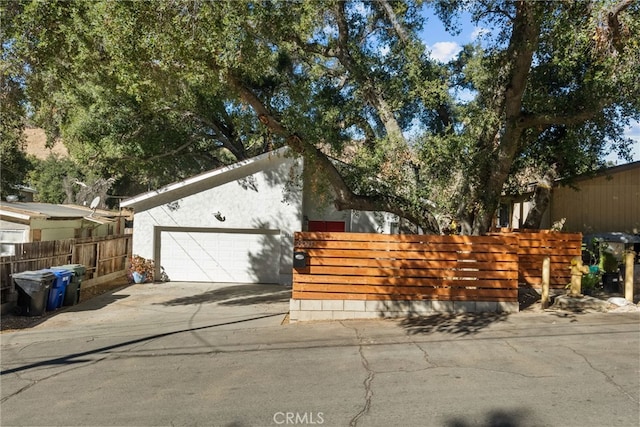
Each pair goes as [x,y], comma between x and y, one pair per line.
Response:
[601,204]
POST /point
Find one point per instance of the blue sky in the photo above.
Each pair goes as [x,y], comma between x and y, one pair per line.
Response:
[444,46]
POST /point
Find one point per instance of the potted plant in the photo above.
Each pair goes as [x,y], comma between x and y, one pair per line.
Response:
[591,280]
[141,269]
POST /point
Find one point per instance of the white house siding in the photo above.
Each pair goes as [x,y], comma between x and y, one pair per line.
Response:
[263,201]
[371,222]
[322,209]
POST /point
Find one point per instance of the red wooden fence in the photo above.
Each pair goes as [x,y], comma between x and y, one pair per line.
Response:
[406,267]
[534,246]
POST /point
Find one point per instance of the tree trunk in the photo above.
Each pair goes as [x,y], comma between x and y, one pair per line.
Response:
[501,144]
[540,200]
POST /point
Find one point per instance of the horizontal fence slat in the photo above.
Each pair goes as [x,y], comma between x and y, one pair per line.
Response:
[409,255]
[419,247]
[502,273]
[402,238]
[542,252]
[465,296]
[423,288]
[560,247]
[374,266]
[397,263]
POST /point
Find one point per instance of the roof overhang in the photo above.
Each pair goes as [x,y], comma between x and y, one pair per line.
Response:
[27,211]
[201,182]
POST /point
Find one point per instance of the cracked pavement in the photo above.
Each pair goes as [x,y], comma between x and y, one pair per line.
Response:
[197,355]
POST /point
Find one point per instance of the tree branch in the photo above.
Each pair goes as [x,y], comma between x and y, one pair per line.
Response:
[369,89]
[345,198]
[400,31]
[222,135]
[614,24]
[545,120]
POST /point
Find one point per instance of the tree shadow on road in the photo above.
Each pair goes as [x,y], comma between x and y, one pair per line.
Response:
[495,418]
[245,294]
[451,323]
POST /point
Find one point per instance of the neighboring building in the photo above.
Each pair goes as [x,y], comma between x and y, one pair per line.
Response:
[22,222]
[608,201]
[236,223]
[24,193]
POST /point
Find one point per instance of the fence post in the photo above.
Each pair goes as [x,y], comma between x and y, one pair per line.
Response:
[546,274]
[577,270]
[628,275]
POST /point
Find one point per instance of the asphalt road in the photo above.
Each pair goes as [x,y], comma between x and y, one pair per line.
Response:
[213,355]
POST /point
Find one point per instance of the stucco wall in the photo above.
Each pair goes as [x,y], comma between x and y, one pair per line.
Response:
[266,199]
[318,206]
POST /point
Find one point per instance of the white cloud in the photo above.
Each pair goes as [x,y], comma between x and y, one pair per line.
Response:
[445,51]
[633,131]
[479,32]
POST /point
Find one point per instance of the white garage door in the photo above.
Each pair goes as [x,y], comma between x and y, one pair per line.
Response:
[214,256]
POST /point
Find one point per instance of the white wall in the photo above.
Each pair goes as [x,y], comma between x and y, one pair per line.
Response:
[263,200]
[319,207]
[371,222]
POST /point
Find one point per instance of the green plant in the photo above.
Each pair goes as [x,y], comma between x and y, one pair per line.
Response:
[589,254]
[608,262]
[589,282]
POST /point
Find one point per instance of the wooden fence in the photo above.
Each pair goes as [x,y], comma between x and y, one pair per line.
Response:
[103,258]
[534,246]
[359,266]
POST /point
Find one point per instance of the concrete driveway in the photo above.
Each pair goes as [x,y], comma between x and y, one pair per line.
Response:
[178,301]
[220,355]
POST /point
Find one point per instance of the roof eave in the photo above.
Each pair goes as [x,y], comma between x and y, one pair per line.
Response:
[146,200]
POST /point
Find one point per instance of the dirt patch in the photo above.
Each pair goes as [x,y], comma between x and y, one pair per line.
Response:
[93,291]
[529,300]
[36,144]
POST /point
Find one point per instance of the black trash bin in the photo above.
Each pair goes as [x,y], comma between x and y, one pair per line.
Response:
[33,291]
[72,295]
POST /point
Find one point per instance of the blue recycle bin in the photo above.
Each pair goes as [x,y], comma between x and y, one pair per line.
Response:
[58,287]
[33,291]
[72,294]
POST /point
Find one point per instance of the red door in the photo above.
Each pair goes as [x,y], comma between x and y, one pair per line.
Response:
[331,226]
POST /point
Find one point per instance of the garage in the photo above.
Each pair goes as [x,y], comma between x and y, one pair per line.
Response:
[233,224]
[220,255]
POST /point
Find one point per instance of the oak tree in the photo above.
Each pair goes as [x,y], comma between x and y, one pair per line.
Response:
[163,89]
